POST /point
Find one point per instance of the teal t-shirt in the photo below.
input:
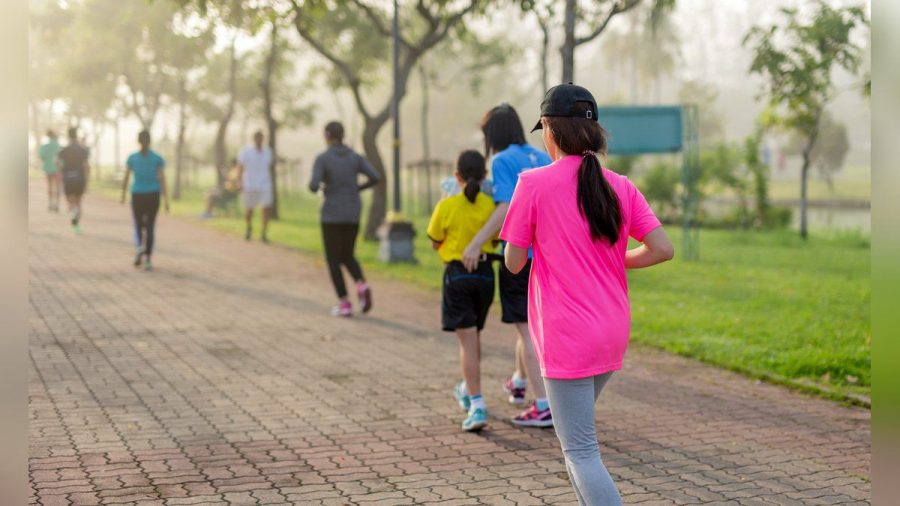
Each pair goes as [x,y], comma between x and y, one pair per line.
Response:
[48,153]
[145,169]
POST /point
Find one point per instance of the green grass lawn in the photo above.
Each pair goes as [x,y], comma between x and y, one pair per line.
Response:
[766,304]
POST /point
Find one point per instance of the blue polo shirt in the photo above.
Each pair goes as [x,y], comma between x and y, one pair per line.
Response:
[509,163]
[145,169]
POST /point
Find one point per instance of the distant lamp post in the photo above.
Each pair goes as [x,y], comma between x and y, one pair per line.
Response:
[396,233]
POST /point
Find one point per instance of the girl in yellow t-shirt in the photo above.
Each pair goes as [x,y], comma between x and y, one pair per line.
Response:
[467,295]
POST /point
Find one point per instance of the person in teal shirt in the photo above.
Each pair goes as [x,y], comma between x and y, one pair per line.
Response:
[148,185]
[48,153]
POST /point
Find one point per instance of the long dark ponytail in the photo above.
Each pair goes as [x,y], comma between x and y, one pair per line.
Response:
[597,200]
[471,168]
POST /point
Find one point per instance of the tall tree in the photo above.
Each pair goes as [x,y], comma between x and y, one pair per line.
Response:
[830,151]
[282,100]
[544,13]
[355,50]
[353,36]
[595,16]
[185,68]
[797,61]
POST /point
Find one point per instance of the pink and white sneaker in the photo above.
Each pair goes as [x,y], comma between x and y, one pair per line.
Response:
[516,394]
[344,309]
[365,296]
[533,417]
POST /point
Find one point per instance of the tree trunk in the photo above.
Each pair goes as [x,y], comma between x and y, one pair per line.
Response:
[117,142]
[97,131]
[271,122]
[221,150]
[804,177]
[545,45]
[426,144]
[35,126]
[378,209]
[568,48]
[179,144]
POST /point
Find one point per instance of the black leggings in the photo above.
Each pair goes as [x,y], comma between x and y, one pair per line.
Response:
[340,244]
[144,207]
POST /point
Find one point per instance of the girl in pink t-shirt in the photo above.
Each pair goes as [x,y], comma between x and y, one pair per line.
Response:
[577,217]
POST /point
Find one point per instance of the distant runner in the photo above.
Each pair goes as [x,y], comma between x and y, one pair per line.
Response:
[256,164]
[73,160]
[336,172]
[149,183]
[48,153]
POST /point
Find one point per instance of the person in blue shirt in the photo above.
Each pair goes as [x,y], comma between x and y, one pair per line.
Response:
[48,154]
[148,185]
[504,142]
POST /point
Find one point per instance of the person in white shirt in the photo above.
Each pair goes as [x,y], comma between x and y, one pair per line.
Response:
[255,163]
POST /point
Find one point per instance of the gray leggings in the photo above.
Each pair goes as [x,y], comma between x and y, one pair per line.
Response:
[572,405]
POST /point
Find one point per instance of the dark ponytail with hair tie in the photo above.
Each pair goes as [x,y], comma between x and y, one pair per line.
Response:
[597,200]
[471,169]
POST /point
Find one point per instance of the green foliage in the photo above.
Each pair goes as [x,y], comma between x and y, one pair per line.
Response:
[660,187]
[831,148]
[143,48]
[798,74]
[623,164]
[759,173]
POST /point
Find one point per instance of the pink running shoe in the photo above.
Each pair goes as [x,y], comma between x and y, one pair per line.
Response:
[533,417]
[365,296]
[516,394]
[343,309]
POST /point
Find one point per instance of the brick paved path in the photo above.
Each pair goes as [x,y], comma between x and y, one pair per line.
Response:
[219,379]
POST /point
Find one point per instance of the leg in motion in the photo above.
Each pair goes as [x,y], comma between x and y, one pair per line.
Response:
[50,179]
[331,240]
[248,218]
[76,213]
[349,232]
[150,212]
[470,365]
[538,414]
[266,216]
[572,402]
[137,214]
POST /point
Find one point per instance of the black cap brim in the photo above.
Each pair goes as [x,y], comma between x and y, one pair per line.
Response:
[538,126]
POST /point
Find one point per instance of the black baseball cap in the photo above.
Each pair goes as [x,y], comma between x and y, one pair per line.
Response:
[560,101]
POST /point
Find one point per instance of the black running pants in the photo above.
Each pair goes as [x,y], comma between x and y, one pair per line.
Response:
[340,246]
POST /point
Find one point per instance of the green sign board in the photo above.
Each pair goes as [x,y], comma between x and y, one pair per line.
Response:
[642,130]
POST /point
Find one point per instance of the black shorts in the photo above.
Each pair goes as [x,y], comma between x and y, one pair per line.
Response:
[73,183]
[467,296]
[514,294]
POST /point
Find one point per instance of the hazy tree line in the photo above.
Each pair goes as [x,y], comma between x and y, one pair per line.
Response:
[110,60]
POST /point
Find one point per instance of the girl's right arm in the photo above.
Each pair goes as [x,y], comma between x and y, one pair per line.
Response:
[656,249]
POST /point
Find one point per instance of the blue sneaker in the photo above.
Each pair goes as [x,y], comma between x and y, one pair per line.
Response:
[476,420]
[462,396]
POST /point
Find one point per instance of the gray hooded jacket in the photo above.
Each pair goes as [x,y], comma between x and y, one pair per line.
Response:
[335,171]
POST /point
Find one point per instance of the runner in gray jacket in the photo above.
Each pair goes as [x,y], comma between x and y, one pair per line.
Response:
[336,173]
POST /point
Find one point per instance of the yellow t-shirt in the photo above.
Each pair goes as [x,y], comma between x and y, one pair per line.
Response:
[456,221]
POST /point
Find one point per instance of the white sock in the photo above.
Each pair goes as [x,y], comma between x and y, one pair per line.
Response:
[477,401]
[518,381]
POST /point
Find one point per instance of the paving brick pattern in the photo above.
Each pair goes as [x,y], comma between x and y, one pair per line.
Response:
[220,379]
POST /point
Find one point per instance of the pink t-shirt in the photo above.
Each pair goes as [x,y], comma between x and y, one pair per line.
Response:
[578,310]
